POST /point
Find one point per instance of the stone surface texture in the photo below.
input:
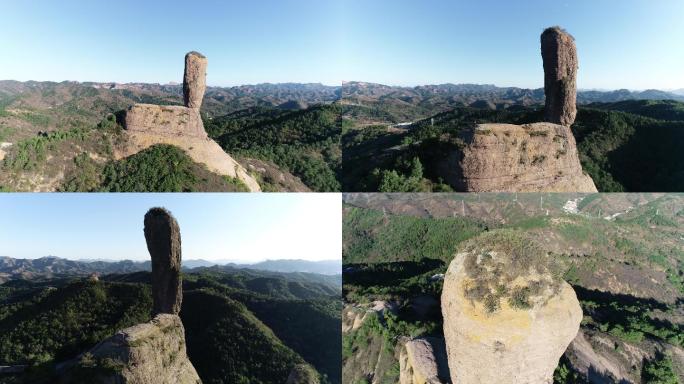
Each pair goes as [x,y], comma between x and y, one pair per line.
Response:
[423,361]
[538,157]
[147,353]
[165,120]
[510,345]
[162,235]
[560,75]
[194,79]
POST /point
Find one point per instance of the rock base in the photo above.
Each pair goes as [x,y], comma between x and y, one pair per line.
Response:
[539,157]
[147,125]
[167,120]
[147,353]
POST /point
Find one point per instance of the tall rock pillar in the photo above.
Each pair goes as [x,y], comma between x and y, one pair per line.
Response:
[164,244]
[194,79]
[560,76]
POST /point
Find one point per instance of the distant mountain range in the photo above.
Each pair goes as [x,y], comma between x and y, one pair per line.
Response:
[467,94]
[51,266]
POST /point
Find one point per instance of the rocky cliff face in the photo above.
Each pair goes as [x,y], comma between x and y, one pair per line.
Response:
[560,76]
[181,126]
[148,353]
[518,158]
[507,318]
[423,361]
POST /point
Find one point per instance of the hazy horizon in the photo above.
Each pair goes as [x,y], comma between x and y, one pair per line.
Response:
[357,81]
[621,44]
[214,226]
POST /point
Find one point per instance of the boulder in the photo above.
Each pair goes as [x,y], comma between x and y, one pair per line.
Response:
[508,317]
[148,353]
[162,235]
[194,79]
[560,75]
[423,361]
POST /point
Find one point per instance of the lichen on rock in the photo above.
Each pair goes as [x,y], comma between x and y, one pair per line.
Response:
[508,315]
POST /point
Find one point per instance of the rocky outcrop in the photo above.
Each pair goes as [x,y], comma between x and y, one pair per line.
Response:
[165,120]
[518,158]
[302,374]
[162,235]
[148,353]
[539,157]
[560,75]
[194,79]
[181,126]
[508,318]
[423,361]
[152,352]
[353,316]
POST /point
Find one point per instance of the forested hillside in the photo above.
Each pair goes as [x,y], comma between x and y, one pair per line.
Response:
[238,330]
[635,150]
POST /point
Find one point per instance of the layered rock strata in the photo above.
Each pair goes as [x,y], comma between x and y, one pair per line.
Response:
[181,126]
[560,75]
[507,318]
[518,158]
[147,353]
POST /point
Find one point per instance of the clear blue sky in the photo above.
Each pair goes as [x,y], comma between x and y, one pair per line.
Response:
[246,41]
[632,44]
[236,226]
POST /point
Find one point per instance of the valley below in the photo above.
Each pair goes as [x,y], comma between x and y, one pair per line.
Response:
[241,325]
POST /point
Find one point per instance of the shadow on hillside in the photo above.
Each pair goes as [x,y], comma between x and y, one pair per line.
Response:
[383,274]
[629,312]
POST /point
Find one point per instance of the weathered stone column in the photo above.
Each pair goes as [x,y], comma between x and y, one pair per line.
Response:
[164,244]
[194,79]
[560,75]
